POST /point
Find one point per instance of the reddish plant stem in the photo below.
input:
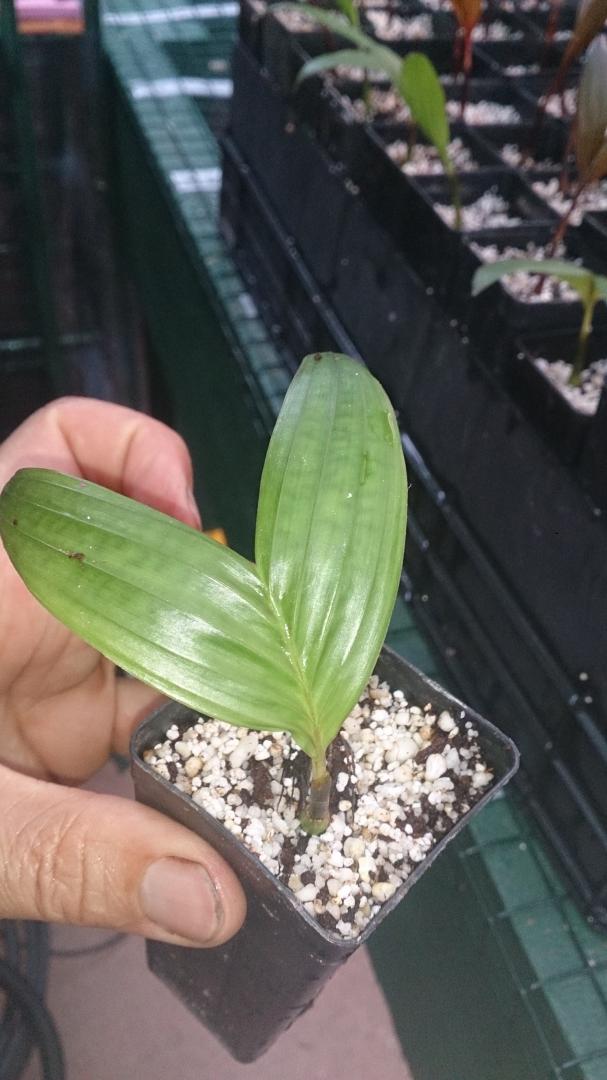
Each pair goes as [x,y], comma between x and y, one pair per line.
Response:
[564,222]
[551,28]
[564,183]
[465,66]
[559,234]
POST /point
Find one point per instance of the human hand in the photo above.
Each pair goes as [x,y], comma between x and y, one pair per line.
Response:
[68,855]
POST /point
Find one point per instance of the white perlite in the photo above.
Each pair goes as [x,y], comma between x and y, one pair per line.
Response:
[593,198]
[583,398]
[424,160]
[519,158]
[382,103]
[391,27]
[483,112]
[411,776]
[563,105]
[490,211]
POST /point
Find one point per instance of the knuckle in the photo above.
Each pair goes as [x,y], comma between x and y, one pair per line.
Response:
[57,872]
[60,868]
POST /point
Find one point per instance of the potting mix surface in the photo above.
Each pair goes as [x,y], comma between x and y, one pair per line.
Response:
[584,398]
[402,777]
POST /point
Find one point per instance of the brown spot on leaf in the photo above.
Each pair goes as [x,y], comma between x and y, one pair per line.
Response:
[79,555]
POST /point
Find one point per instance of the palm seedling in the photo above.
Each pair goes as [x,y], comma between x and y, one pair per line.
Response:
[285,644]
[413,78]
[590,288]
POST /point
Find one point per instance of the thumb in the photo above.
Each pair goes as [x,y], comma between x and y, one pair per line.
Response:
[97,860]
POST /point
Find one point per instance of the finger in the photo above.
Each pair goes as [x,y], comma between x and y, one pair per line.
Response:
[96,860]
[111,445]
[134,701]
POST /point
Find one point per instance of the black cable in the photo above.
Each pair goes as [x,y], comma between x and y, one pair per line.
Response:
[37,1017]
[24,1019]
[25,947]
[88,950]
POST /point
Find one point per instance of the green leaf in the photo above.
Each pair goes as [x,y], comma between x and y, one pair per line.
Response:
[422,90]
[385,59]
[350,10]
[330,531]
[341,58]
[285,648]
[579,277]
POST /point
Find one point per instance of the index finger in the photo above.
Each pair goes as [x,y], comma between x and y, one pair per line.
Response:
[110,444]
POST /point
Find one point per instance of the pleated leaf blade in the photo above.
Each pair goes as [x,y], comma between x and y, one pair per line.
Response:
[283,646]
[330,530]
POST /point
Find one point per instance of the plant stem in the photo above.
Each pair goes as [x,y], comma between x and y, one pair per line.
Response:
[582,346]
[551,28]
[366,93]
[466,69]
[454,189]
[316,816]
[564,222]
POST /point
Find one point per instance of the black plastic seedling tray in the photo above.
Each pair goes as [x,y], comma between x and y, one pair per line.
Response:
[514,496]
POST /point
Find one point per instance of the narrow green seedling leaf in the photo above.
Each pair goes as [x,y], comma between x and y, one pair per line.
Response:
[414,79]
[284,645]
[590,288]
[584,281]
[350,10]
[352,58]
[422,89]
[376,57]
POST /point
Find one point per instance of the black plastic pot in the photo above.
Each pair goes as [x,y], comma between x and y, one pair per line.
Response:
[548,145]
[537,20]
[499,56]
[594,459]
[443,25]
[439,49]
[496,90]
[250,19]
[251,989]
[435,247]
[533,87]
[566,427]
[593,230]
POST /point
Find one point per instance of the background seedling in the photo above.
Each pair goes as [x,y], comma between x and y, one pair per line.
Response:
[590,288]
[413,78]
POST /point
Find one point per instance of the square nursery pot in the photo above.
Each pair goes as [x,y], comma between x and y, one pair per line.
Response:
[514,59]
[566,427]
[593,466]
[524,147]
[593,229]
[433,244]
[252,988]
